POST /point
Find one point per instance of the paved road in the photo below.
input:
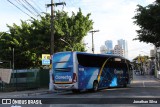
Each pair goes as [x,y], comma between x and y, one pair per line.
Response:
[141,87]
[145,81]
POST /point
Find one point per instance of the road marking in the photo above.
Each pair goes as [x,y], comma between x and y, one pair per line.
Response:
[143,84]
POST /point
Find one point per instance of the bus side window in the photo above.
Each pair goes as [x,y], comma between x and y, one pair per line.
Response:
[92,61]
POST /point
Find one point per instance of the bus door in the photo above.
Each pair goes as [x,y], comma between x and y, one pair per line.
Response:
[108,78]
[119,74]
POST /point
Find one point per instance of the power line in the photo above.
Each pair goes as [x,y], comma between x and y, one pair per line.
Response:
[37,5]
[25,7]
[18,8]
[25,1]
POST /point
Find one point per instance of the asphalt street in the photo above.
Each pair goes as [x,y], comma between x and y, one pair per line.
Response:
[143,87]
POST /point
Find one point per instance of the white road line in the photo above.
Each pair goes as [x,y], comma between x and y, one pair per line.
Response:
[143,84]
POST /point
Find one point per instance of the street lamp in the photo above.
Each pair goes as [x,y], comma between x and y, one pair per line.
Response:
[87,47]
[93,31]
[4,61]
[67,43]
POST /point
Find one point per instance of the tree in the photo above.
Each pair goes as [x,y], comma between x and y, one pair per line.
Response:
[148,18]
[71,29]
[31,39]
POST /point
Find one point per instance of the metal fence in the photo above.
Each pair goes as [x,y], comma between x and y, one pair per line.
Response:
[26,79]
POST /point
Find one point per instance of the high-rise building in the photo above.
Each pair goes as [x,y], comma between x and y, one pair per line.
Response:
[103,49]
[118,50]
[109,46]
[122,43]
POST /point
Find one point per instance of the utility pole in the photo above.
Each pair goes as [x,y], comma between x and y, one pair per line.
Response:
[52,24]
[93,31]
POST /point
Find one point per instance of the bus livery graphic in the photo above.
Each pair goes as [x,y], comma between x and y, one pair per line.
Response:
[80,71]
[99,75]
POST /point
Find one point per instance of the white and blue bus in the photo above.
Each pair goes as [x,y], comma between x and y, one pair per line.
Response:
[82,71]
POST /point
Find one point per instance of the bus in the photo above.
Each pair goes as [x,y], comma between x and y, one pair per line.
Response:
[78,71]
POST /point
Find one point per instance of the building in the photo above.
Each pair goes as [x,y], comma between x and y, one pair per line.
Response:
[118,50]
[123,44]
[103,49]
[109,46]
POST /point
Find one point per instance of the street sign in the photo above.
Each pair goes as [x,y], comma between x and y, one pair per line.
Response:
[45,59]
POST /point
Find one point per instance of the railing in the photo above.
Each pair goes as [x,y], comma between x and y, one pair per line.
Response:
[27,79]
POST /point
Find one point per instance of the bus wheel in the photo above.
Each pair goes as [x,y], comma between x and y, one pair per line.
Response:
[95,86]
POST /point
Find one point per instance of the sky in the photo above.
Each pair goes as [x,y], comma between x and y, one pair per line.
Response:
[113,19]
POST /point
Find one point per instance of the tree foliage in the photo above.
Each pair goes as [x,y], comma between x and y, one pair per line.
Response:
[31,39]
[148,19]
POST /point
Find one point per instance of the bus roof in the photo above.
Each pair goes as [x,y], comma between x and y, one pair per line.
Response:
[91,54]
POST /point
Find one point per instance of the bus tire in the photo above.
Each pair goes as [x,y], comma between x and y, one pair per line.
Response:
[95,86]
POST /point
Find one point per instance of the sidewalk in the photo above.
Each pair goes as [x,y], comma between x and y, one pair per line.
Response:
[138,81]
[145,81]
[24,93]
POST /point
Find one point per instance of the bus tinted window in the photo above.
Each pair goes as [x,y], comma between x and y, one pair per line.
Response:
[91,61]
[98,61]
